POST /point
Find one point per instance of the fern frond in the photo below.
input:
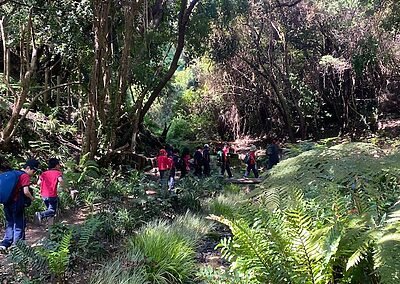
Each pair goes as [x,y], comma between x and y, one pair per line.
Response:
[59,259]
[252,251]
[87,232]
[387,252]
[309,255]
[365,245]
[26,255]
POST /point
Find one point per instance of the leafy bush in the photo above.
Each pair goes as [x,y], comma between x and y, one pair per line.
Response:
[52,258]
[181,129]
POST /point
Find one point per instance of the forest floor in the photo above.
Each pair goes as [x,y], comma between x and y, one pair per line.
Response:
[206,253]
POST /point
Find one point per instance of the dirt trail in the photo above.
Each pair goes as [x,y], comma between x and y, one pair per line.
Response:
[34,233]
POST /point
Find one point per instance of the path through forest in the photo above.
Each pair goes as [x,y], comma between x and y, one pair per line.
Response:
[206,253]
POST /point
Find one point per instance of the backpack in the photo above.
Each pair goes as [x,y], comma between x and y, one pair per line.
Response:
[8,181]
[219,156]
[180,164]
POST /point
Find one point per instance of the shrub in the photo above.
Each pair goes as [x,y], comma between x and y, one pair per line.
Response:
[170,255]
[169,249]
[126,269]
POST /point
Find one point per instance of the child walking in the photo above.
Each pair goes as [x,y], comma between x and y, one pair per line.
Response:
[164,165]
[49,182]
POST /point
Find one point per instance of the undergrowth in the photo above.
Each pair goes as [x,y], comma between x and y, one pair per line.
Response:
[327,215]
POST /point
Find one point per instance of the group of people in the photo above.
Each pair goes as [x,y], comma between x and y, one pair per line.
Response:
[169,162]
[22,196]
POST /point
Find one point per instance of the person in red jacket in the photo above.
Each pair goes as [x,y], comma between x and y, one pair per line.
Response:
[164,165]
[251,162]
[49,182]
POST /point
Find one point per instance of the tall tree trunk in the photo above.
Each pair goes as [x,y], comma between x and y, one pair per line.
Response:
[130,9]
[58,91]
[99,83]
[30,65]
[6,54]
[183,22]
[46,85]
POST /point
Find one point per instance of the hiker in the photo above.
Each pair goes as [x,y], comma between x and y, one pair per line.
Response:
[206,160]
[164,164]
[185,158]
[169,150]
[49,182]
[272,153]
[198,162]
[174,166]
[251,161]
[225,165]
[14,208]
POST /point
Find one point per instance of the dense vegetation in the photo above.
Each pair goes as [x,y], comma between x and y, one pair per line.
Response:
[103,85]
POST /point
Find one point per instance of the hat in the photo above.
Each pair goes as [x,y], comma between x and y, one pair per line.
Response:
[253,148]
[32,164]
[163,152]
[206,146]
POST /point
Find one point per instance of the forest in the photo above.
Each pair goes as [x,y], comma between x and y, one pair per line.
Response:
[102,86]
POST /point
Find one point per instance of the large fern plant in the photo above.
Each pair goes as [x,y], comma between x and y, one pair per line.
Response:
[325,216]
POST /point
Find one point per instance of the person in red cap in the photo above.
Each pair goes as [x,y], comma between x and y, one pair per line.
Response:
[164,165]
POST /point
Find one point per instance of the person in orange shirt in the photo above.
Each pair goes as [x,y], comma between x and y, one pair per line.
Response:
[164,165]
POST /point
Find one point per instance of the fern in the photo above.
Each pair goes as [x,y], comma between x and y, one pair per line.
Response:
[86,243]
[387,252]
[58,260]
[251,251]
[26,256]
[309,254]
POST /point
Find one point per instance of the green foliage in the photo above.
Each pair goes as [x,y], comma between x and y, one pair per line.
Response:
[169,249]
[181,129]
[226,204]
[127,269]
[346,165]
[53,258]
[331,217]
[211,275]
[58,259]
[88,236]
[170,254]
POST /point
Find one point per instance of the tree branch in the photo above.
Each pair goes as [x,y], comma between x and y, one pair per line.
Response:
[34,100]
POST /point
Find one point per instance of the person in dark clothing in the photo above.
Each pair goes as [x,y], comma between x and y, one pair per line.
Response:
[175,161]
[226,164]
[185,158]
[198,162]
[272,153]
[206,160]
[169,150]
